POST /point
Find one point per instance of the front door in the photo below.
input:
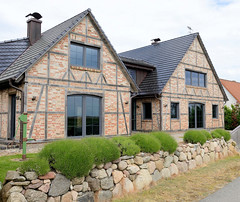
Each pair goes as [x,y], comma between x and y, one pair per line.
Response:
[196,115]
[12,116]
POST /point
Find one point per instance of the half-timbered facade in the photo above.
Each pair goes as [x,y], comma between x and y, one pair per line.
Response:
[182,92]
[73,81]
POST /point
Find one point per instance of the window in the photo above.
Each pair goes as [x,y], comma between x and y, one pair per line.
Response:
[86,56]
[133,74]
[147,110]
[174,110]
[215,111]
[195,78]
[83,115]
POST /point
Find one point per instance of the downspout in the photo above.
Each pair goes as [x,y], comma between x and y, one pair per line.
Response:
[22,110]
[160,105]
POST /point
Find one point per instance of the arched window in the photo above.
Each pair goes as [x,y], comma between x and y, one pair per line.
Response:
[83,115]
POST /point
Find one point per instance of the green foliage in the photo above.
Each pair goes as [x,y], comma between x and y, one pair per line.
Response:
[168,143]
[194,136]
[228,118]
[207,134]
[223,133]
[102,149]
[38,165]
[126,146]
[8,163]
[232,116]
[146,142]
[71,157]
[215,134]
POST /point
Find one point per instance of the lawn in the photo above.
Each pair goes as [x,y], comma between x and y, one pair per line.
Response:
[191,186]
[8,163]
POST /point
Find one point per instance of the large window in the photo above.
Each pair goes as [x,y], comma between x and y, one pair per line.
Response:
[83,115]
[174,110]
[195,78]
[147,110]
[86,56]
[215,111]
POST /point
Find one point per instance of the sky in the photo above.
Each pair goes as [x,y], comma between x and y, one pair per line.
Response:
[130,24]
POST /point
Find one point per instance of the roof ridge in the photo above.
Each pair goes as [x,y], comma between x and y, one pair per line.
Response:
[230,80]
[13,40]
[67,20]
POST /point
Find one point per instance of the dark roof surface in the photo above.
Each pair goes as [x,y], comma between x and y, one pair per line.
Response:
[10,51]
[165,56]
[38,49]
[137,62]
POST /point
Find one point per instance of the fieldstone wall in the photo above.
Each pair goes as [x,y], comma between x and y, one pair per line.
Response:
[114,179]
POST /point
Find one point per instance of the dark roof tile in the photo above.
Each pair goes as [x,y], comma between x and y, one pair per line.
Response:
[165,56]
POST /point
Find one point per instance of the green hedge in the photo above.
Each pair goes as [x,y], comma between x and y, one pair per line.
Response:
[71,158]
[207,134]
[218,133]
[167,142]
[146,142]
[194,136]
[103,149]
[38,165]
[126,146]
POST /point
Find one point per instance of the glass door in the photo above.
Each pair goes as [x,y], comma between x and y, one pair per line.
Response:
[196,115]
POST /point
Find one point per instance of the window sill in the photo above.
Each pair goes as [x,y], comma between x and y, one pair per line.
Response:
[198,87]
[86,69]
[147,120]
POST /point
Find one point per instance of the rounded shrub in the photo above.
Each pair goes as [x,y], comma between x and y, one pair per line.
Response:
[146,142]
[38,165]
[126,146]
[167,142]
[207,134]
[215,134]
[71,158]
[102,149]
[194,136]
[223,133]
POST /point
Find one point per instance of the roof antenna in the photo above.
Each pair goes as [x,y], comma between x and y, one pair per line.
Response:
[190,30]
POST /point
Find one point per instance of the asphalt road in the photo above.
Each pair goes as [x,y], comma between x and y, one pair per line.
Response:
[229,193]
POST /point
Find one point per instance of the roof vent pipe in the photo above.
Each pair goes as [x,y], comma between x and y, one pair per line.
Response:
[155,41]
[34,27]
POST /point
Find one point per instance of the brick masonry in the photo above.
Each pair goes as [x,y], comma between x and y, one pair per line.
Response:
[52,78]
[177,91]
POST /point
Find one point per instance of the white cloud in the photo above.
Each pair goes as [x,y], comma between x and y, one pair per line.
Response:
[133,23]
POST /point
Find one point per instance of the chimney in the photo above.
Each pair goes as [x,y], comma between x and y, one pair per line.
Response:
[33,30]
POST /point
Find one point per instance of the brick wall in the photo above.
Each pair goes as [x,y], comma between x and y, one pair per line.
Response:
[177,91]
[52,78]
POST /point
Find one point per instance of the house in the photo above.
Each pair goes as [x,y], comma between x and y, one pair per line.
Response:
[232,89]
[69,80]
[179,87]
[72,83]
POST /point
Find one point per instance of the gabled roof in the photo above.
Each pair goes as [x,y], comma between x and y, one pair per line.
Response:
[233,88]
[50,38]
[10,51]
[165,56]
[139,63]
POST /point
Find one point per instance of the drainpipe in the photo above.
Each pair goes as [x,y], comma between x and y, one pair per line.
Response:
[22,110]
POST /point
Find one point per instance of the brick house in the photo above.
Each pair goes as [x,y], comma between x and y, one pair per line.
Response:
[73,82]
[232,90]
[179,87]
